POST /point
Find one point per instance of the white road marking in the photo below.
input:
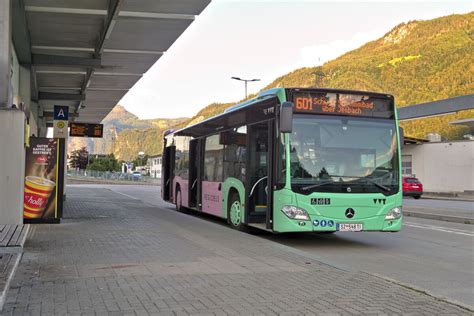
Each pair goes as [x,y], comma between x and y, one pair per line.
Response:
[132,197]
[441,229]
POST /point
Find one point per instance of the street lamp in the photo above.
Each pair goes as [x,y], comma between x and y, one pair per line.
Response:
[141,155]
[245,80]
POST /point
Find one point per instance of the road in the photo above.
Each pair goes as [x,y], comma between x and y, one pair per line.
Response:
[449,205]
[462,209]
[432,255]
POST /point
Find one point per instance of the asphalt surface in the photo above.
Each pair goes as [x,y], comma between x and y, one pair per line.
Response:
[434,256]
[436,206]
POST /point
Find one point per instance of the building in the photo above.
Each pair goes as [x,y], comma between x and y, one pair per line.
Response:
[155,166]
[441,166]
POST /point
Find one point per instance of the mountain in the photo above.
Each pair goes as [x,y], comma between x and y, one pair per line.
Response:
[124,135]
[418,61]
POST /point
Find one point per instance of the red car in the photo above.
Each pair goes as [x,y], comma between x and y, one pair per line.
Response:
[412,187]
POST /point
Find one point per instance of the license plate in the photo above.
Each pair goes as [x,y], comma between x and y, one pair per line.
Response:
[416,187]
[349,227]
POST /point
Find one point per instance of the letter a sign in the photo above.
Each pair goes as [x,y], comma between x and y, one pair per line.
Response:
[61,116]
[61,113]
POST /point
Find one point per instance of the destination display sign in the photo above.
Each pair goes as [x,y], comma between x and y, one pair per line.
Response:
[86,130]
[343,104]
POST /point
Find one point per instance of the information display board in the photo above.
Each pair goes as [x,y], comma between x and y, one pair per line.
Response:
[86,130]
[343,104]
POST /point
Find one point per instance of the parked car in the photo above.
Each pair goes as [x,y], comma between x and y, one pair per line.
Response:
[137,175]
[412,187]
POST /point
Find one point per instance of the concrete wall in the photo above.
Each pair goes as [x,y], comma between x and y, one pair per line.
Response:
[12,165]
[443,167]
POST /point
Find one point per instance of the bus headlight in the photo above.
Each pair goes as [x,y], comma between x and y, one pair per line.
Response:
[394,213]
[294,212]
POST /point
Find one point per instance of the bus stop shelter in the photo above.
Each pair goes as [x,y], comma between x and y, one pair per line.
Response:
[82,54]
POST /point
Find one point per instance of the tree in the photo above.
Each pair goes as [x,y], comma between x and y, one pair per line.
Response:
[79,159]
[107,163]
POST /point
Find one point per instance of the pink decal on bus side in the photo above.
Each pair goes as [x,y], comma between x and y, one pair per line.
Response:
[183,185]
[212,198]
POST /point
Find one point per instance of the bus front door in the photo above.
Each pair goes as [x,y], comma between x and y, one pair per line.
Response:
[258,171]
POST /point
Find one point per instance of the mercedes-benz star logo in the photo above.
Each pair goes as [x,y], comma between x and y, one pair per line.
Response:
[350,213]
[349,189]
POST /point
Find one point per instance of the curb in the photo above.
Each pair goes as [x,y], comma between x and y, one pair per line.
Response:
[76,181]
[446,198]
[11,269]
[439,217]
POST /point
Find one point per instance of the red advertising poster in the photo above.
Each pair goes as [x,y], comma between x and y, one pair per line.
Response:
[43,191]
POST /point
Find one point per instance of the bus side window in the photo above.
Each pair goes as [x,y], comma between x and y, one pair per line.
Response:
[213,158]
[235,153]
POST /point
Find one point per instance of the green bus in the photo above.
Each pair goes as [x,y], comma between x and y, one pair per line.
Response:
[292,160]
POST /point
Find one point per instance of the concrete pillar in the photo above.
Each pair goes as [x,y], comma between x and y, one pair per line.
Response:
[5,53]
[12,165]
[12,130]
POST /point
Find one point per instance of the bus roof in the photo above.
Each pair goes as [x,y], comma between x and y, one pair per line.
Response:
[280,93]
[261,97]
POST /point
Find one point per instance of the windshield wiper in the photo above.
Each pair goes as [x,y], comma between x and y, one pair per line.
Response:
[378,185]
[309,187]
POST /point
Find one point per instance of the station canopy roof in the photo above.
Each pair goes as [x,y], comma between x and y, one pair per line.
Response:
[87,54]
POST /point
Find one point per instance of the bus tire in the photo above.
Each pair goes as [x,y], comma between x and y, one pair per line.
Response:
[179,200]
[234,212]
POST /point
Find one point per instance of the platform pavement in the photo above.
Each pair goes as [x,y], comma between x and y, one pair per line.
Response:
[113,254]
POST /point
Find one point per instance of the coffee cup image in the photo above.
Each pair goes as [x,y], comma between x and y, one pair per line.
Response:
[37,194]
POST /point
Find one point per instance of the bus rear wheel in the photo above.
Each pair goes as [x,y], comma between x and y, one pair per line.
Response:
[234,212]
[179,201]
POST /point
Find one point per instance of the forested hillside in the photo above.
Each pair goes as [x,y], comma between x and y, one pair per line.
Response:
[417,62]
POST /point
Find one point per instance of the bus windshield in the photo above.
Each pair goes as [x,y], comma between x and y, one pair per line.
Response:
[343,154]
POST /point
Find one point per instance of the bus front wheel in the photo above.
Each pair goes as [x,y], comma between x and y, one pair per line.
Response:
[234,212]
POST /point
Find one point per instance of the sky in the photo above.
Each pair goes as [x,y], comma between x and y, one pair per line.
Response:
[263,39]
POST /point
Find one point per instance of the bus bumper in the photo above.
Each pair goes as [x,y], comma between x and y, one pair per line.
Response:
[327,224]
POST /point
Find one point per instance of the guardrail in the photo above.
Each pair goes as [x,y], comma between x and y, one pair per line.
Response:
[111,176]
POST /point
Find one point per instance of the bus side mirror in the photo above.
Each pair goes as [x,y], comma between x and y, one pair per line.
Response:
[402,137]
[286,117]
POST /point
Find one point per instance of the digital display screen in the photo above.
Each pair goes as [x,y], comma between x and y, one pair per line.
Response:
[86,130]
[343,104]
[232,138]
